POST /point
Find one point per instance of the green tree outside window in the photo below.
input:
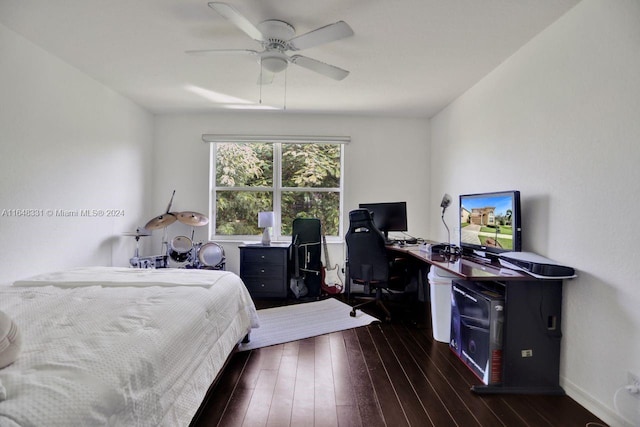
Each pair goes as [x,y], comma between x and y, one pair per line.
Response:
[299,180]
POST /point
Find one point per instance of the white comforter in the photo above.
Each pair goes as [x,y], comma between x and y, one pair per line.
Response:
[102,353]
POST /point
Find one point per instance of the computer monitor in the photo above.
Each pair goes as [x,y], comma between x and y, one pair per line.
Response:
[389,216]
[490,223]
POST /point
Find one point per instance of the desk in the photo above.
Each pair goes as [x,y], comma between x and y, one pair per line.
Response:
[464,268]
[532,321]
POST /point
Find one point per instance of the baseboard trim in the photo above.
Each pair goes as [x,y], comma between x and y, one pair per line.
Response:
[604,412]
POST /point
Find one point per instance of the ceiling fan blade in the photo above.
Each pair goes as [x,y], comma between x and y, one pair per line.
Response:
[222,52]
[236,18]
[322,35]
[320,67]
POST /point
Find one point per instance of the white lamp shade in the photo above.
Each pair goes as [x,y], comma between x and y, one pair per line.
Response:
[266,219]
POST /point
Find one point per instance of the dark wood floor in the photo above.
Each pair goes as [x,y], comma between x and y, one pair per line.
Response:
[391,374]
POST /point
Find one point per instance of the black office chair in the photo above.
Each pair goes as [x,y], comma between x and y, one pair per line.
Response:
[367,260]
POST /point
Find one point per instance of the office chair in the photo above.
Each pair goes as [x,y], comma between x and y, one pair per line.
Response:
[367,260]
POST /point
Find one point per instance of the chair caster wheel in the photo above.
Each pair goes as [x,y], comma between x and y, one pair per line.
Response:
[353,313]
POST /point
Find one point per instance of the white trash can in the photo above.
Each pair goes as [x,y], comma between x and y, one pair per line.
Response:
[440,292]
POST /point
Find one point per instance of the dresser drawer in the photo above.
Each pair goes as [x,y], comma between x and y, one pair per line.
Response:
[264,270]
[267,287]
[264,256]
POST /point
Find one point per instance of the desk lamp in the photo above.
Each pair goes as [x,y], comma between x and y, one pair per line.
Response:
[449,248]
[266,220]
[444,204]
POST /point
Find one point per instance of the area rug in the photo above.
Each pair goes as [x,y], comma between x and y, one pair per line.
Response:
[295,322]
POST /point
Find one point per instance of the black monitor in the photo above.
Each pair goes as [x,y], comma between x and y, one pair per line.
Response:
[390,216]
[490,223]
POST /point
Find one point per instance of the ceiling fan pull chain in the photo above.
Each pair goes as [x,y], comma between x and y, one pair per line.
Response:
[285,89]
[260,102]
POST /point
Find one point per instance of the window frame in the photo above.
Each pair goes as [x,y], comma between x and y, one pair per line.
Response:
[277,189]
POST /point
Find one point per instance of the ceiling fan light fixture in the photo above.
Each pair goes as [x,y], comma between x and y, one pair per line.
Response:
[278,37]
[274,63]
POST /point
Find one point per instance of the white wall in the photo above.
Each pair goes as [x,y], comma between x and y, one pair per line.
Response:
[560,122]
[386,160]
[66,143]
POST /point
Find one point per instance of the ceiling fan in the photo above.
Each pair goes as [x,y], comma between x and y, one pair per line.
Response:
[278,37]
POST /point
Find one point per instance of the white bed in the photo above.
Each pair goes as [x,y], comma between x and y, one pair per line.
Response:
[119,346]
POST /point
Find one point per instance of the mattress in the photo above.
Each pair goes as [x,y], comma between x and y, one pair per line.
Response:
[120,347]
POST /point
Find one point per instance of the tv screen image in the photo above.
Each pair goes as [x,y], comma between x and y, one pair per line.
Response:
[490,222]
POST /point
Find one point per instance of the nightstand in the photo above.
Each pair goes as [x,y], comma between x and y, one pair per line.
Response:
[265,269]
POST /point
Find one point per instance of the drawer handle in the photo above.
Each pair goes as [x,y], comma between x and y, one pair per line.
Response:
[262,285]
[262,256]
[262,270]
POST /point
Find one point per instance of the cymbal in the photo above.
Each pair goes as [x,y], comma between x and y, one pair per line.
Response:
[161,221]
[137,233]
[194,219]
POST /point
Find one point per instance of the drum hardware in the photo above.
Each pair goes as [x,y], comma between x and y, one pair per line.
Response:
[140,232]
[185,254]
[137,234]
[171,201]
[154,261]
[163,221]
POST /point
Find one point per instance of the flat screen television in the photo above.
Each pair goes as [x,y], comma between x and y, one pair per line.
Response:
[490,223]
[389,216]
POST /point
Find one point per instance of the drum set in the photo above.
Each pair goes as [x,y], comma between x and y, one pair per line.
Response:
[181,251]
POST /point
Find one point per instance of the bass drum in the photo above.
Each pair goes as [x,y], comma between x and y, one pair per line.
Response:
[211,255]
[180,249]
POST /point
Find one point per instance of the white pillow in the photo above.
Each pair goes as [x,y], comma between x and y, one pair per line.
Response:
[10,340]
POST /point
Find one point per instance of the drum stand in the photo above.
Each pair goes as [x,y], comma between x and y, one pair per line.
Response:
[144,262]
[136,254]
[164,245]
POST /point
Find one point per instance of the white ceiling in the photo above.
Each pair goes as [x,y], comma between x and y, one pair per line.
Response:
[407,57]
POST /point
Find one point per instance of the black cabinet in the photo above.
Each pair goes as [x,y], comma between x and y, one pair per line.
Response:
[531,338]
[264,270]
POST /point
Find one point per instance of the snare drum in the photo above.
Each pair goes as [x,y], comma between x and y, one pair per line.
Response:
[211,255]
[180,248]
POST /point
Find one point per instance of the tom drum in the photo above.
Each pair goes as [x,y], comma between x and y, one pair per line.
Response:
[180,248]
[211,254]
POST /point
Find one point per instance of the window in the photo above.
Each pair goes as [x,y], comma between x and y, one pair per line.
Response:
[293,178]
